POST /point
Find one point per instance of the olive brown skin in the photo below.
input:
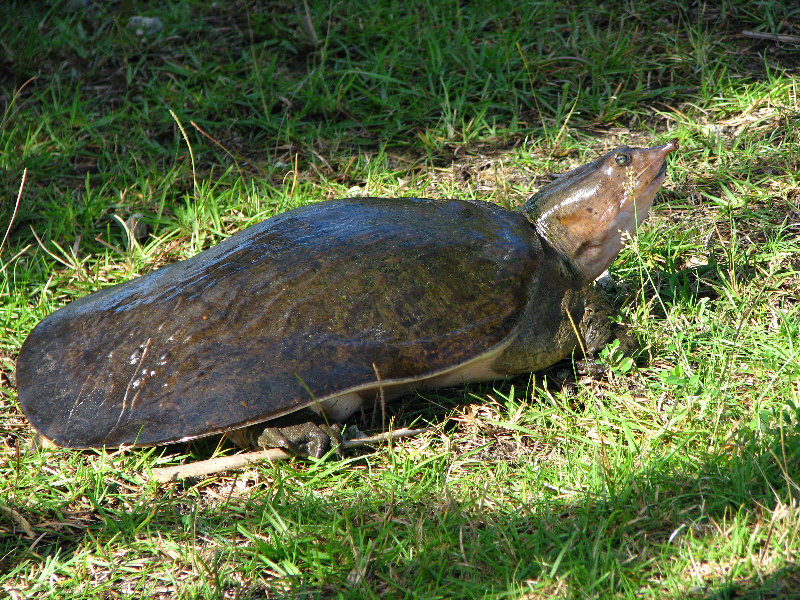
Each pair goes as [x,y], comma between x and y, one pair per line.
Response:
[324,306]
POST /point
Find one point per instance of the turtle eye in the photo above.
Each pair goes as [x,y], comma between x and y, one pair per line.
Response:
[623,159]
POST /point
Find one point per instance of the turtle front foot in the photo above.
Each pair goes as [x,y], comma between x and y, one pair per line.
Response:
[303,439]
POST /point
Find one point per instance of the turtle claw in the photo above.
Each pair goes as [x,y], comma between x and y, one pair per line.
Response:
[304,439]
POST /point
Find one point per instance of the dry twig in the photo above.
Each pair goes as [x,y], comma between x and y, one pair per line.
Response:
[238,461]
[775,37]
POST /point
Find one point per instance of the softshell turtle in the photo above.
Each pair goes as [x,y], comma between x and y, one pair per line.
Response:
[325,306]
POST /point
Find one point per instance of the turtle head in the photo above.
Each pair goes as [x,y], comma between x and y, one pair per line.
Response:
[584,213]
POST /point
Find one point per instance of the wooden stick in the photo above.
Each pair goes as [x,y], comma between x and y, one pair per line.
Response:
[775,37]
[238,461]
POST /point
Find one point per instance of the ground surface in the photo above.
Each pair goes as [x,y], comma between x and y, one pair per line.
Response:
[673,475]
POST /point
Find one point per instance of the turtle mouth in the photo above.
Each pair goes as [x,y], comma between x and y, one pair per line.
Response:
[661,171]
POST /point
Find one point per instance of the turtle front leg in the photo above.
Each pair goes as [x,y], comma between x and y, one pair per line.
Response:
[303,439]
[597,330]
[597,327]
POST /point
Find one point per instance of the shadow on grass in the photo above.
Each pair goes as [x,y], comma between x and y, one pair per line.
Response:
[408,530]
[593,544]
[783,582]
[503,72]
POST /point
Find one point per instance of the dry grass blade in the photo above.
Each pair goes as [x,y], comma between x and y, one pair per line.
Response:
[21,521]
[14,213]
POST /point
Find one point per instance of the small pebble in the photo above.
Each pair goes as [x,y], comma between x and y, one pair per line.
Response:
[145,25]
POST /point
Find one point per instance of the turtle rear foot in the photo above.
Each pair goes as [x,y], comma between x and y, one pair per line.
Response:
[303,439]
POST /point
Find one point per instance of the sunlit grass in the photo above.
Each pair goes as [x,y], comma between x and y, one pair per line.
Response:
[673,475]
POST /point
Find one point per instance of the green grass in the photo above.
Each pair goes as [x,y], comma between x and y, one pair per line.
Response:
[672,477]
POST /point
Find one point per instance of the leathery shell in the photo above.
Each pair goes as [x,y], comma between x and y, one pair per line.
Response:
[303,306]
